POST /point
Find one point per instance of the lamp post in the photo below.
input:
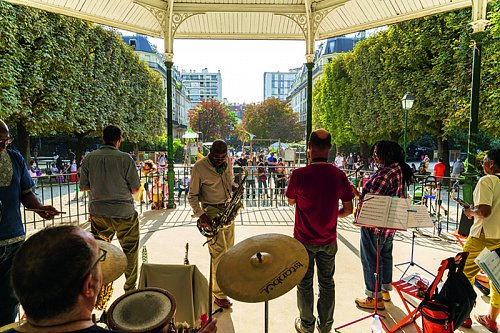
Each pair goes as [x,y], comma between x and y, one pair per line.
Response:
[407,103]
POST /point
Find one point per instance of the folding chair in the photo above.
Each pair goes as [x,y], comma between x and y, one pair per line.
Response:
[404,288]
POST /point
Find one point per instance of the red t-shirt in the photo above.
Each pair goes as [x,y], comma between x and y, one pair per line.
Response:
[439,170]
[317,189]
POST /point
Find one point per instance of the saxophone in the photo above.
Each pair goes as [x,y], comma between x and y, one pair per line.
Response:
[225,217]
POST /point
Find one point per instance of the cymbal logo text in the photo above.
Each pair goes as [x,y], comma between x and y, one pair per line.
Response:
[281,277]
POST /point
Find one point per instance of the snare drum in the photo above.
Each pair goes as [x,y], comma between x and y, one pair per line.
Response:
[142,310]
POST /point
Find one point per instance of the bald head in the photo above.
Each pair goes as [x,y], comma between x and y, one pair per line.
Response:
[4,129]
[4,136]
[320,140]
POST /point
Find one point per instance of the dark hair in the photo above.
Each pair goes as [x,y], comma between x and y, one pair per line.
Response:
[111,134]
[390,152]
[321,144]
[218,147]
[494,155]
[48,271]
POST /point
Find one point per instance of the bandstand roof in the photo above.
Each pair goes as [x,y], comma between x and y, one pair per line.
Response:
[246,19]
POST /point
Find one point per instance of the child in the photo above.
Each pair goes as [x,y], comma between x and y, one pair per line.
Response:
[157,193]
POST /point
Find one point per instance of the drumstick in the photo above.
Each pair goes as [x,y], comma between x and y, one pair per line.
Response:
[43,210]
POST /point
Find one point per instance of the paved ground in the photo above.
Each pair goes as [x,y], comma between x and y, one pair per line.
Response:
[165,233]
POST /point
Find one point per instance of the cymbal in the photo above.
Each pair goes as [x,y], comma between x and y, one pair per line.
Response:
[114,263]
[262,267]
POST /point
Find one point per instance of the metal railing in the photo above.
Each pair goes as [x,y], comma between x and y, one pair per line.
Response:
[266,190]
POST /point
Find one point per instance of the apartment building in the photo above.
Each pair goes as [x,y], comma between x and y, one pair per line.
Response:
[155,60]
[202,85]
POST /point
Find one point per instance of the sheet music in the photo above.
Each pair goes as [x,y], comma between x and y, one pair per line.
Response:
[399,213]
[489,261]
[420,217]
[384,211]
[374,211]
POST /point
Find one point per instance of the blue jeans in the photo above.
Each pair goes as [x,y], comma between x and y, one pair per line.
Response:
[324,256]
[368,253]
[8,301]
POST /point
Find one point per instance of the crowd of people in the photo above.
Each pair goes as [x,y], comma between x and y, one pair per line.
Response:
[62,266]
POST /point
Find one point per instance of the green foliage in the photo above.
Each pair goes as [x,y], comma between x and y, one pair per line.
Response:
[359,96]
[273,119]
[63,75]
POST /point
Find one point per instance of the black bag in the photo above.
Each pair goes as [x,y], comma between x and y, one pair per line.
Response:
[456,297]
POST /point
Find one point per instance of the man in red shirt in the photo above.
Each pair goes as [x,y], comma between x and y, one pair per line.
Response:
[439,169]
[316,190]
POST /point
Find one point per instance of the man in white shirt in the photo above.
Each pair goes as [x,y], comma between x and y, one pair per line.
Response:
[485,232]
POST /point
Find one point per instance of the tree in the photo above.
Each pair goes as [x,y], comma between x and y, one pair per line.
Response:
[212,119]
[63,75]
[430,57]
[332,96]
[273,119]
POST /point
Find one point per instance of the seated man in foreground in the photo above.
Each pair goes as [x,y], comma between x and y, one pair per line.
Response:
[57,276]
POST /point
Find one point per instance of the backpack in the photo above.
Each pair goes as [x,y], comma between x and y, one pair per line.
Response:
[447,309]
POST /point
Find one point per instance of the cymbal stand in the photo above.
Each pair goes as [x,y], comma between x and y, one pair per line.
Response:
[210,288]
[375,310]
[266,316]
[412,262]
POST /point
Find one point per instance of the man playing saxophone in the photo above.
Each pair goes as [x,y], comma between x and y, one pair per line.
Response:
[211,187]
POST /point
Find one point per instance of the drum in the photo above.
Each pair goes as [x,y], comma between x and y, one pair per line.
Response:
[142,310]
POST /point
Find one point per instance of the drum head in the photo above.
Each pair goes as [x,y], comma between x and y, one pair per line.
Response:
[142,310]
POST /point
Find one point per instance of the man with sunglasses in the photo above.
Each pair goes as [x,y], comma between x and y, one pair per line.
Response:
[16,187]
[57,275]
[211,186]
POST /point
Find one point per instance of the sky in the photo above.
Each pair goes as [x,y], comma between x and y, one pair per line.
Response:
[242,63]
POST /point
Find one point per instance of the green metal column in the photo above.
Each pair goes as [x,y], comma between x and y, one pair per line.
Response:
[406,127]
[472,173]
[170,138]
[309,66]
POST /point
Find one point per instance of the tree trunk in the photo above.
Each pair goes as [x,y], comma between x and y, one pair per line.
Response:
[364,150]
[80,146]
[136,149]
[444,153]
[23,141]
[394,136]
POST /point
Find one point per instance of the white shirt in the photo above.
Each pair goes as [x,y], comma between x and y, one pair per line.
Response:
[338,161]
[487,192]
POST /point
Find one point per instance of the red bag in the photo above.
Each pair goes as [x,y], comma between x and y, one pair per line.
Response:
[436,318]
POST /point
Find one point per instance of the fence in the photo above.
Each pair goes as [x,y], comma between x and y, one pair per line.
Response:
[61,191]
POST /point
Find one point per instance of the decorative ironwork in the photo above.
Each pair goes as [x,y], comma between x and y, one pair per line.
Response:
[178,18]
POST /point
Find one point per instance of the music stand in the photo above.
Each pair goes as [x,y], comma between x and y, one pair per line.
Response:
[384,213]
[411,262]
[375,309]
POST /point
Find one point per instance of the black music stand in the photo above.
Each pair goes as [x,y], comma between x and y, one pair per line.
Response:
[411,262]
[375,310]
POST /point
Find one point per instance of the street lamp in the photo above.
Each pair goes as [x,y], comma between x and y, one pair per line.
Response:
[407,103]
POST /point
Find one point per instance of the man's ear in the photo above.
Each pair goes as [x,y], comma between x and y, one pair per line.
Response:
[89,286]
